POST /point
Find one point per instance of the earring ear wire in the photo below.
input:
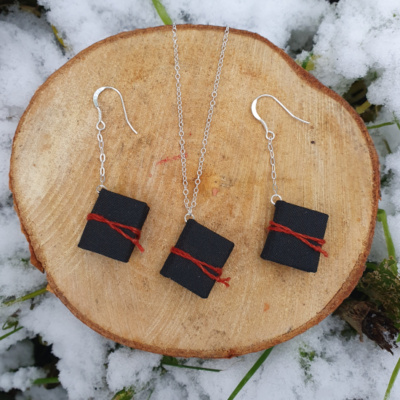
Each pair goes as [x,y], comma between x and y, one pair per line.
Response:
[264,124]
[96,104]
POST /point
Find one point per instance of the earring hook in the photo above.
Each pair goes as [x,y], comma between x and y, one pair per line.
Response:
[264,124]
[96,104]
[269,135]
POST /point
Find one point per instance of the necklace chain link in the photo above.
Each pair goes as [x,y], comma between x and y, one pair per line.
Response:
[190,205]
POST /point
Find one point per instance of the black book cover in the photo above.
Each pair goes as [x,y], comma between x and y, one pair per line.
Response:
[286,249]
[101,238]
[204,245]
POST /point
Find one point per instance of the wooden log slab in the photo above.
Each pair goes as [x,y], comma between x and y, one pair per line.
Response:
[329,166]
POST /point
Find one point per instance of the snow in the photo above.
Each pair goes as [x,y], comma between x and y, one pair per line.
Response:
[356,40]
[15,369]
[41,393]
[392,163]
[341,370]
[18,355]
[81,23]
[351,40]
[82,352]
[20,379]
[127,367]
[15,266]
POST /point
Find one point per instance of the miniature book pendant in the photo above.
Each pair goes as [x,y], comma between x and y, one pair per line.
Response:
[296,237]
[197,259]
[113,227]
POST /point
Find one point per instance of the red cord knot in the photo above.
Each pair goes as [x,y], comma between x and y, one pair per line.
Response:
[273,226]
[202,265]
[116,226]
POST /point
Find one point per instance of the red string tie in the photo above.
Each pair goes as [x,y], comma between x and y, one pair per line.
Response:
[273,226]
[202,265]
[116,226]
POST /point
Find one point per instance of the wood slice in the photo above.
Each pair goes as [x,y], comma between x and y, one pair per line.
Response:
[329,166]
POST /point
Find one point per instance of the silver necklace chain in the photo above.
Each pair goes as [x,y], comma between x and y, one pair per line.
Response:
[191,205]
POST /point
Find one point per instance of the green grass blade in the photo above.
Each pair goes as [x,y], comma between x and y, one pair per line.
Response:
[172,361]
[26,297]
[10,333]
[58,37]
[45,381]
[392,379]
[251,372]
[382,217]
[388,149]
[380,125]
[397,122]
[190,367]
[150,394]
[162,12]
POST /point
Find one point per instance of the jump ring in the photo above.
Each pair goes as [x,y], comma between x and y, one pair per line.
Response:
[275,195]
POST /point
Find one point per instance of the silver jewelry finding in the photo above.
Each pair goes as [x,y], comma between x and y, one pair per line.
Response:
[100,126]
[270,136]
[191,205]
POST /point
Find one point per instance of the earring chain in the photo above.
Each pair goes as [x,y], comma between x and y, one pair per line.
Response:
[273,170]
[100,126]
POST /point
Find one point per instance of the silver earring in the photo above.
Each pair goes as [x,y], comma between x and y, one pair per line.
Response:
[296,234]
[113,227]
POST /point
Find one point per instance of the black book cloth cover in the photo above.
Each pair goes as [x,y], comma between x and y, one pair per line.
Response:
[287,249]
[100,238]
[204,245]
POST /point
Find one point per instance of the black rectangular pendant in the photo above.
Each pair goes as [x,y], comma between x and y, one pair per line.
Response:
[204,245]
[287,249]
[100,238]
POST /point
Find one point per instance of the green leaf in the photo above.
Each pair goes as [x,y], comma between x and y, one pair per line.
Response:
[10,323]
[251,372]
[371,266]
[26,260]
[307,356]
[310,355]
[45,381]
[162,12]
[309,62]
[124,394]
[363,107]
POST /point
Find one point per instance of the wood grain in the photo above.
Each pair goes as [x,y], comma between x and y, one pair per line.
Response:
[329,165]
